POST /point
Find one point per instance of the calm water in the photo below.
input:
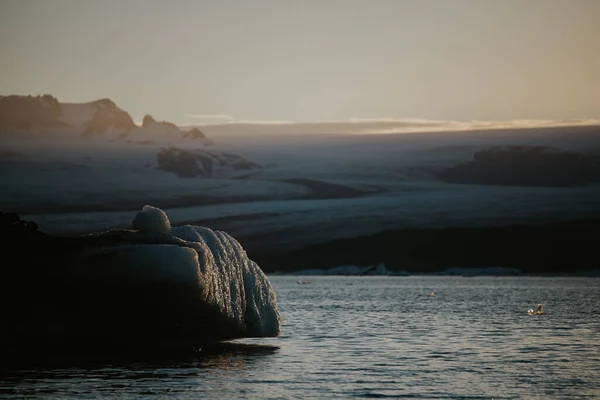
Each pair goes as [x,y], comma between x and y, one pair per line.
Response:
[367,337]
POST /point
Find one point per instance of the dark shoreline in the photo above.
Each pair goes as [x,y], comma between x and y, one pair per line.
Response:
[551,248]
[554,248]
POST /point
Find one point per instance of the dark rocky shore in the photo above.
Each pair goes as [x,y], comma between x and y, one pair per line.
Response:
[567,247]
[547,249]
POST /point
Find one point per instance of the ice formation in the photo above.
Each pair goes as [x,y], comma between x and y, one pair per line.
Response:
[151,220]
[211,264]
[232,281]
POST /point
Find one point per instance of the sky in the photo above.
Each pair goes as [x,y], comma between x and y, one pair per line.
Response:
[194,61]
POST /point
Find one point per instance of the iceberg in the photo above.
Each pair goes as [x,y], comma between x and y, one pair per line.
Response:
[153,284]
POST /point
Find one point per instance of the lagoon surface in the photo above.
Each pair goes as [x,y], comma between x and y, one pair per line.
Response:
[422,337]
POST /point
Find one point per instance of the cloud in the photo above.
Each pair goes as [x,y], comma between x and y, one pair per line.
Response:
[404,121]
[266,122]
[411,125]
[359,125]
[222,117]
[225,119]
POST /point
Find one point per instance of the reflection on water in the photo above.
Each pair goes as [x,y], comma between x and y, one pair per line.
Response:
[79,372]
[218,355]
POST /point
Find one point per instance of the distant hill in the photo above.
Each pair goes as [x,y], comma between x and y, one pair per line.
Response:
[43,116]
[526,166]
[26,112]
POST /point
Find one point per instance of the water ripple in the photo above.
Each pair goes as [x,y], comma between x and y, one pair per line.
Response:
[365,337]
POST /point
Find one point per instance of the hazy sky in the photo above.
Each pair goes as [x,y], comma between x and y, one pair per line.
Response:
[308,60]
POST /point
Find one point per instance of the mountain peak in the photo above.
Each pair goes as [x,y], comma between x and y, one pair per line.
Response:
[106,102]
[147,121]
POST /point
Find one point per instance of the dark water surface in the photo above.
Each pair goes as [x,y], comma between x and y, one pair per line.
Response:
[364,337]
